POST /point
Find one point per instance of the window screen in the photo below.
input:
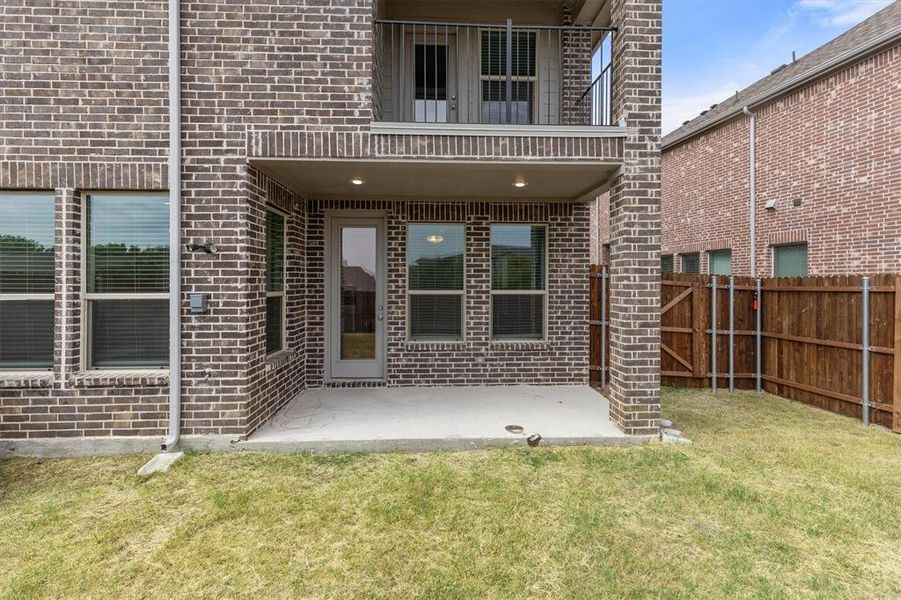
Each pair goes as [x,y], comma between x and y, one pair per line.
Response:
[518,281]
[26,280]
[721,262]
[666,263]
[435,281]
[275,281]
[494,77]
[691,263]
[127,279]
[790,261]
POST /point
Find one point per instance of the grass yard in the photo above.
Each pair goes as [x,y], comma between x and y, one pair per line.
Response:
[773,499]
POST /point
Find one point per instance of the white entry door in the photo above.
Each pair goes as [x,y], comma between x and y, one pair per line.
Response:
[355,304]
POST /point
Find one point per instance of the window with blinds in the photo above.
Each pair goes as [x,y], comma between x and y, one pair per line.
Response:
[691,263]
[523,73]
[126,254]
[518,282]
[666,263]
[275,282]
[720,262]
[26,280]
[790,261]
[435,286]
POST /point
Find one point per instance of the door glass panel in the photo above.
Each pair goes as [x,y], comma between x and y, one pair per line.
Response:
[430,69]
[358,297]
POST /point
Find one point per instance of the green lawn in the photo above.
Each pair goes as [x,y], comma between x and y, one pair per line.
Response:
[773,499]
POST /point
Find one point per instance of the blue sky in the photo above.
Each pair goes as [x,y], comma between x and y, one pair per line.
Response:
[711,48]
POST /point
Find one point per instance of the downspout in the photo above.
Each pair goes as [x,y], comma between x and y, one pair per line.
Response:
[174,227]
[752,178]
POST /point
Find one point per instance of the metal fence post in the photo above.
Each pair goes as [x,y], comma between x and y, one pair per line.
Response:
[865,350]
[713,333]
[731,334]
[603,326]
[758,320]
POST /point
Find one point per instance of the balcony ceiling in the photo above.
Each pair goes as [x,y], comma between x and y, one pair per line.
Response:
[387,179]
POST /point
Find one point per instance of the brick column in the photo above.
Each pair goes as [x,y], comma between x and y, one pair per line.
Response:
[635,220]
[576,72]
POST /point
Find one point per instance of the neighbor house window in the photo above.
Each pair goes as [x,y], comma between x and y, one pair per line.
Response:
[790,261]
[126,285]
[275,282]
[435,254]
[666,263]
[494,77]
[518,281]
[691,263]
[720,262]
[26,280]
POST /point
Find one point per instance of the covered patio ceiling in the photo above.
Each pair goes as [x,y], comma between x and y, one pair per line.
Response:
[385,179]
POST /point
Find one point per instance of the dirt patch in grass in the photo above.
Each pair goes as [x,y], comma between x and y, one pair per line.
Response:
[773,499]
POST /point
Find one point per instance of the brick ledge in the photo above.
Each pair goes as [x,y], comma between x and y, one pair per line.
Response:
[26,379]
[137,378]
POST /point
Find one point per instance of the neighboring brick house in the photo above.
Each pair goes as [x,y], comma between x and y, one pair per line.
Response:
[368,138]
[828,167]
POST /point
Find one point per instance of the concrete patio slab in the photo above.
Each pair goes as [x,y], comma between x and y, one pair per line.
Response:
[437,418]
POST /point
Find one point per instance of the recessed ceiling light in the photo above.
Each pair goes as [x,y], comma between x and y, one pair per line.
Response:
[356,181]
[520,184]
[434,238]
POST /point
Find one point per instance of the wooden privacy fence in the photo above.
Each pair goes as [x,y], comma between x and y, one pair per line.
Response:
[831,341]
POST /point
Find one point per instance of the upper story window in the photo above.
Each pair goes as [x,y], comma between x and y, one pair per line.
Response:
[275,282]
[126,283]
[26,280]
[518,282]
[435,282]
[494,72]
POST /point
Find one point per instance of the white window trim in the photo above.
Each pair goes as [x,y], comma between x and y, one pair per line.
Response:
[542,292]
[86,298]
[36,297]
[461,292]
[280,294]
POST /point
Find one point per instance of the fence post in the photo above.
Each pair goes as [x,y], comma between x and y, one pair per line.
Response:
[758,319]
[603,325]
[731,334]
[896,382]
[865,350]
[713,333]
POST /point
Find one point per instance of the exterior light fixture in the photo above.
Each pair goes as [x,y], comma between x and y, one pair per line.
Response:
[434,238]
[208,246]
[356,181]
[519,183]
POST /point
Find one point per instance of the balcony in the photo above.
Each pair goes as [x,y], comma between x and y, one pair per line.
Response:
[503,75]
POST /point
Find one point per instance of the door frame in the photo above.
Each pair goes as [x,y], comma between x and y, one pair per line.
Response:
[332,319]
[408,99]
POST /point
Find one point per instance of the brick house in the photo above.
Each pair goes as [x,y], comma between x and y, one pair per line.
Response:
[827,175]
[370,192]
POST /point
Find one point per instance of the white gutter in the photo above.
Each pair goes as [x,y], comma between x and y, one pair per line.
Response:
[174,227]
[752,179]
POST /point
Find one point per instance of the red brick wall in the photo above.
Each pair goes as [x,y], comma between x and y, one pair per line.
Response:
[834,145]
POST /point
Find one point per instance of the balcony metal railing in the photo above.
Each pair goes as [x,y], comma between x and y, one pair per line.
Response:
[431,72]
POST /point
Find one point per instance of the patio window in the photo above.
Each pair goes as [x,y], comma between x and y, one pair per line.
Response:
[275,282]
[435,256]
[26,280]
[518,282]
[126,262]
[691,263]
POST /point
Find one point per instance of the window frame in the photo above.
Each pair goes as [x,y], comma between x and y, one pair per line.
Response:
[533,80]
[710,256]
[682,263]
[672,262]
[86,298]
[492,292]
[44,297]
[280,294]
[410,292]
[775,247]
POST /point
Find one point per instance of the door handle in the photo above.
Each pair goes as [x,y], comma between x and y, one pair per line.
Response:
[380,313]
